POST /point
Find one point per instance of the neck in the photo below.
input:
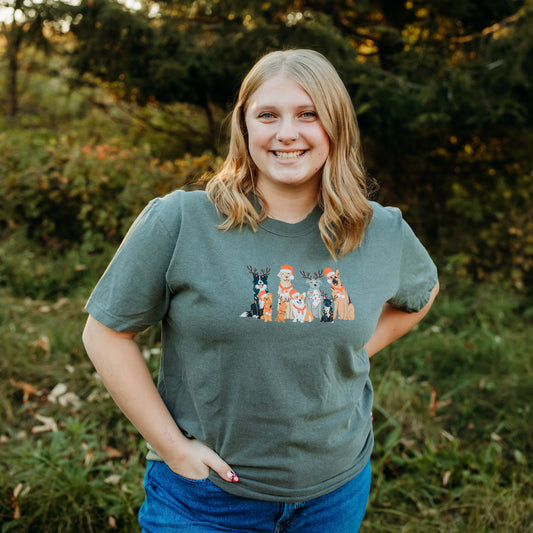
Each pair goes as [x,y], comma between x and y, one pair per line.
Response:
[290,206]
[288,210]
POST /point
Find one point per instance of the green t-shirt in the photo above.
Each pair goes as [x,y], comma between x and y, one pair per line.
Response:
[263,335]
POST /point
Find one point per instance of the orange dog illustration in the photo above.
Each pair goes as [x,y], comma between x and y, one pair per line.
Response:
[343,308]
[282,307]
[267,308]
[299,309]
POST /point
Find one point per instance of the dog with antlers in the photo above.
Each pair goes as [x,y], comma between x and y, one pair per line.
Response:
[314,297]
[260,290]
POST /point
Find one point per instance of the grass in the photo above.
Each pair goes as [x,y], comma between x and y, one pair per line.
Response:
[68,460]
[453,403]
[452,407]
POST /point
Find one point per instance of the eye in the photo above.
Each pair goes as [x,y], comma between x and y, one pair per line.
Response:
[266,115]
[309,115]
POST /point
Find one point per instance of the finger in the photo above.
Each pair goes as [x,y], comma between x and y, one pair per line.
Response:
[223,470]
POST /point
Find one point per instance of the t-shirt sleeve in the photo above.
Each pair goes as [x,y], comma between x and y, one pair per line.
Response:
[133,294]
[417,275]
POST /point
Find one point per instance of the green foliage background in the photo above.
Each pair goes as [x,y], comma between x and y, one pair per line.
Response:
[442,96]
[128,105]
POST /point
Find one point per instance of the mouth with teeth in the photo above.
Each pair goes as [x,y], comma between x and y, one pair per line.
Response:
[289,155]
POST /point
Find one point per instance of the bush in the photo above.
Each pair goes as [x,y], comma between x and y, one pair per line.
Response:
[65,192]
[38,272]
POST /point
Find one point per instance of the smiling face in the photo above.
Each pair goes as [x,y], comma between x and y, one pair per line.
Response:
[286,139]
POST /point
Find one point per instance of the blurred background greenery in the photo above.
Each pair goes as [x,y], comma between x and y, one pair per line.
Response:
[106,104]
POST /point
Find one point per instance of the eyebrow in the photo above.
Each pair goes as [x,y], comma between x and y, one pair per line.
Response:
[262,107]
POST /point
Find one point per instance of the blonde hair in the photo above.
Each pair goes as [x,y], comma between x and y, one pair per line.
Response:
[343,189]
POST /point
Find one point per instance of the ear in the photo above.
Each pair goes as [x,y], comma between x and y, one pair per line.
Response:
[337,273]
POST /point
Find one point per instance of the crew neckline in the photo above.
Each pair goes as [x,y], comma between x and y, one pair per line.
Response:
[287,229]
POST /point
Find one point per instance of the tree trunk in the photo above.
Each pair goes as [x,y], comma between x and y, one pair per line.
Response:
[14,42]
[12,86]
[213,133]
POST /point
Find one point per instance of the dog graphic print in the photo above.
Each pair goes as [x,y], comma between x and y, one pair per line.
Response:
[299,304]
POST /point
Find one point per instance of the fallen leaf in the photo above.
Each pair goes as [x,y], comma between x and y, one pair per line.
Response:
[59,394]
[112,453]
[43,343]
[60,303]
[70,398]
[98,395]
[447,435]
[408,443]
[26,388]
[48,424]
[17,490]
[112,521]
[446,478]
[16,508]
[434,404]
[88,458]
[113,479]
[56,392]
[432,409]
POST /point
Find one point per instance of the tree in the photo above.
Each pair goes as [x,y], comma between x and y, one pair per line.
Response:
[27,23]
[442,93]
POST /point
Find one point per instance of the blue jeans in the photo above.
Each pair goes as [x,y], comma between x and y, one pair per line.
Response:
[175,503]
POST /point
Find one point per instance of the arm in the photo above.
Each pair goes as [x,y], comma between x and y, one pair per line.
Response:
[394,323]
[120,364]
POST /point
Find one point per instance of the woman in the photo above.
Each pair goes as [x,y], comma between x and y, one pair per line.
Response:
[274,287]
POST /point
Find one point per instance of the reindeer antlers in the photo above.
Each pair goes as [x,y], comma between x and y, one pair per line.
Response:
[316,275]
[253,270]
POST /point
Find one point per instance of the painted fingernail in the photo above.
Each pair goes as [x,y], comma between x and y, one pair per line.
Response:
[232,476]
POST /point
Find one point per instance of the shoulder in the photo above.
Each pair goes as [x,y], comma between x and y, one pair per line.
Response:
[389,229]
[167,215]
[171,210]
[180,200]
[385,218]
[385,213]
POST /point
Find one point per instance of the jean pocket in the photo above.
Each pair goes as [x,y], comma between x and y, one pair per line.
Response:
[175,475]
[148,472]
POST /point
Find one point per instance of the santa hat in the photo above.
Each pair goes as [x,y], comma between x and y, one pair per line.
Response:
[288,269]
[328,272]
[294,294]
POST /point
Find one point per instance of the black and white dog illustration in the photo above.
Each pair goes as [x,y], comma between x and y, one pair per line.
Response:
[327,309]
[260,289]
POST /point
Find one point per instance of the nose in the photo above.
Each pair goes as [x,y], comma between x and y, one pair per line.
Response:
[287,131]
